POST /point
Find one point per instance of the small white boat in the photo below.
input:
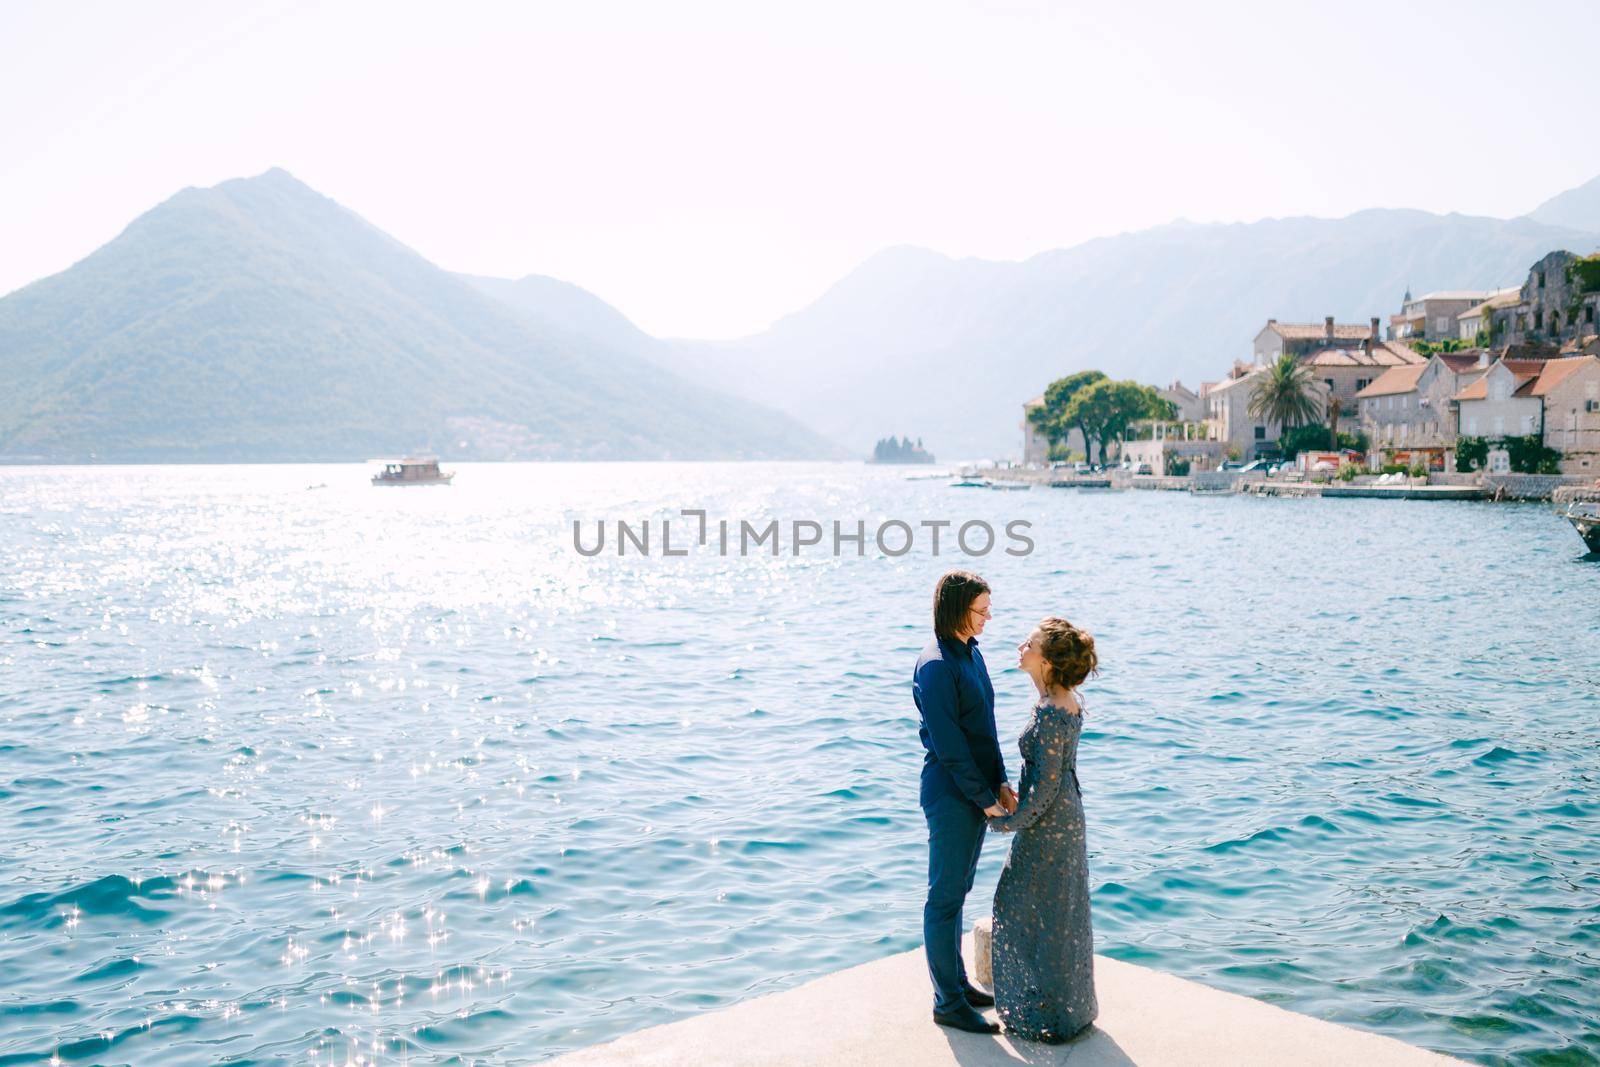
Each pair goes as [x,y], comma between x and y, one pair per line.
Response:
[417,470]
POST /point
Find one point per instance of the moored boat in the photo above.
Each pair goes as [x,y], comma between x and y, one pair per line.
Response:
[1585,518]
[417,470]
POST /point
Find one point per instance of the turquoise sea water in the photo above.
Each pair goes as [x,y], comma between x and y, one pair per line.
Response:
[293,768]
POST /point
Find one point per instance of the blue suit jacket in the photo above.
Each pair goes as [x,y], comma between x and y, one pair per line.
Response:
[956,701]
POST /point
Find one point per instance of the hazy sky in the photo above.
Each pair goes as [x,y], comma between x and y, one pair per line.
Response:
[710,167]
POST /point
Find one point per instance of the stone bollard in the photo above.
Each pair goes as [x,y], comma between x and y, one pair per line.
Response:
[983,952]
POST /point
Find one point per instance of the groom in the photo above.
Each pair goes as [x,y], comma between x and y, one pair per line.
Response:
[963,780]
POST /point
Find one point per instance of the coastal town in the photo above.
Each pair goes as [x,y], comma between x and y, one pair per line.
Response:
[1495,390]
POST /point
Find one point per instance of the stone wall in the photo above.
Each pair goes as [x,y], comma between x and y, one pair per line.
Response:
[1528,486]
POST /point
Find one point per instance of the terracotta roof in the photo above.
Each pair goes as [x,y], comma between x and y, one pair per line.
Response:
[1316,331]
[1395,380]
[1402,353]
[1036,402]
[1557,371]
[1529,351]
[1461,361]
[1525,371]
[1383,354]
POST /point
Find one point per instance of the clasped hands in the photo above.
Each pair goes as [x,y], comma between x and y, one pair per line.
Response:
[1006,805]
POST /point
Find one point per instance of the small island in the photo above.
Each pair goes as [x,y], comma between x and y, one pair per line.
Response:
[889,450]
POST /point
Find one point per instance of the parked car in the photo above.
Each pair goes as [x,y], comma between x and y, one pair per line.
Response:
[1083,468]
[1230,465]
[1143,468]
[1255,465]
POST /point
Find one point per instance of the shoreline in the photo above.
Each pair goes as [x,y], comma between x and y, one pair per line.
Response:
[1512,487]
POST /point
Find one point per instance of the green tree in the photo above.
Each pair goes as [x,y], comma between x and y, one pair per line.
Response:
[1530,455]
[1285,395]
[1472,453]
[1051,419]
[1314,436]
[1107,408]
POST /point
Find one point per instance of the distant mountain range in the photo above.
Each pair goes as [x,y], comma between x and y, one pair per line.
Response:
[913,342]
[259,320]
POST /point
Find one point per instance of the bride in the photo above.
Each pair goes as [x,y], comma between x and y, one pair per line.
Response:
[1043,955]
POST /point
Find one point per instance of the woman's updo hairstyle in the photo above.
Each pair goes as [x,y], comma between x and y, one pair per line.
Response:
[1067,651]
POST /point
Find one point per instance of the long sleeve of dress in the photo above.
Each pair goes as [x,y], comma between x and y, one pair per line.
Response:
[950,746]
[1047,780]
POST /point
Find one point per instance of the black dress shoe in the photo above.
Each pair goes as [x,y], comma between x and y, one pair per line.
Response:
[968,1020]
[978,998]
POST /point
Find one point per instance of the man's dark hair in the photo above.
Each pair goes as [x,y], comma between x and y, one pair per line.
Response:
[952,600]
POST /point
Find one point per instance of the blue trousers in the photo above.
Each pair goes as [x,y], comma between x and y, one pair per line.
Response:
[955,837]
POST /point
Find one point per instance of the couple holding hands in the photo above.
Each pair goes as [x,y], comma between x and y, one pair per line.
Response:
[1043,952]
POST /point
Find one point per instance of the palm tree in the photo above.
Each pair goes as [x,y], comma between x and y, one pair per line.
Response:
[1284,394]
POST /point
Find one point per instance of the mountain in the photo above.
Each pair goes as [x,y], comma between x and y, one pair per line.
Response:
[1578,208]
[916,343]
[564,307]
[259,320]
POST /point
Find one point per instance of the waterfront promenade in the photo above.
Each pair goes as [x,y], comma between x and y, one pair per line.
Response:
[878,1014]
[1513,487]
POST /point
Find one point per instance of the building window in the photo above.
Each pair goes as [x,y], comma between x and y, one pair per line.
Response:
[1540,275]
[1261,433]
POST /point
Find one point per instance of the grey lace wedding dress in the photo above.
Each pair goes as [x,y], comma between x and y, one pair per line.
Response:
[1043,954]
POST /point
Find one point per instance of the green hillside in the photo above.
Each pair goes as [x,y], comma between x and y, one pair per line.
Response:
[259,320]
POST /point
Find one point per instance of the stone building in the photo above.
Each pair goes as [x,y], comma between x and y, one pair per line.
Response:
[1552,307]
[1433,316]
[1347,371]
[1410,409]
[1478,317]
[1186,400]
[1228,418]
[1302,339]
[1569,392]
[1500,403]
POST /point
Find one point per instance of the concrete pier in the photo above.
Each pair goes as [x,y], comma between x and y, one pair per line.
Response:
[880,1014]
